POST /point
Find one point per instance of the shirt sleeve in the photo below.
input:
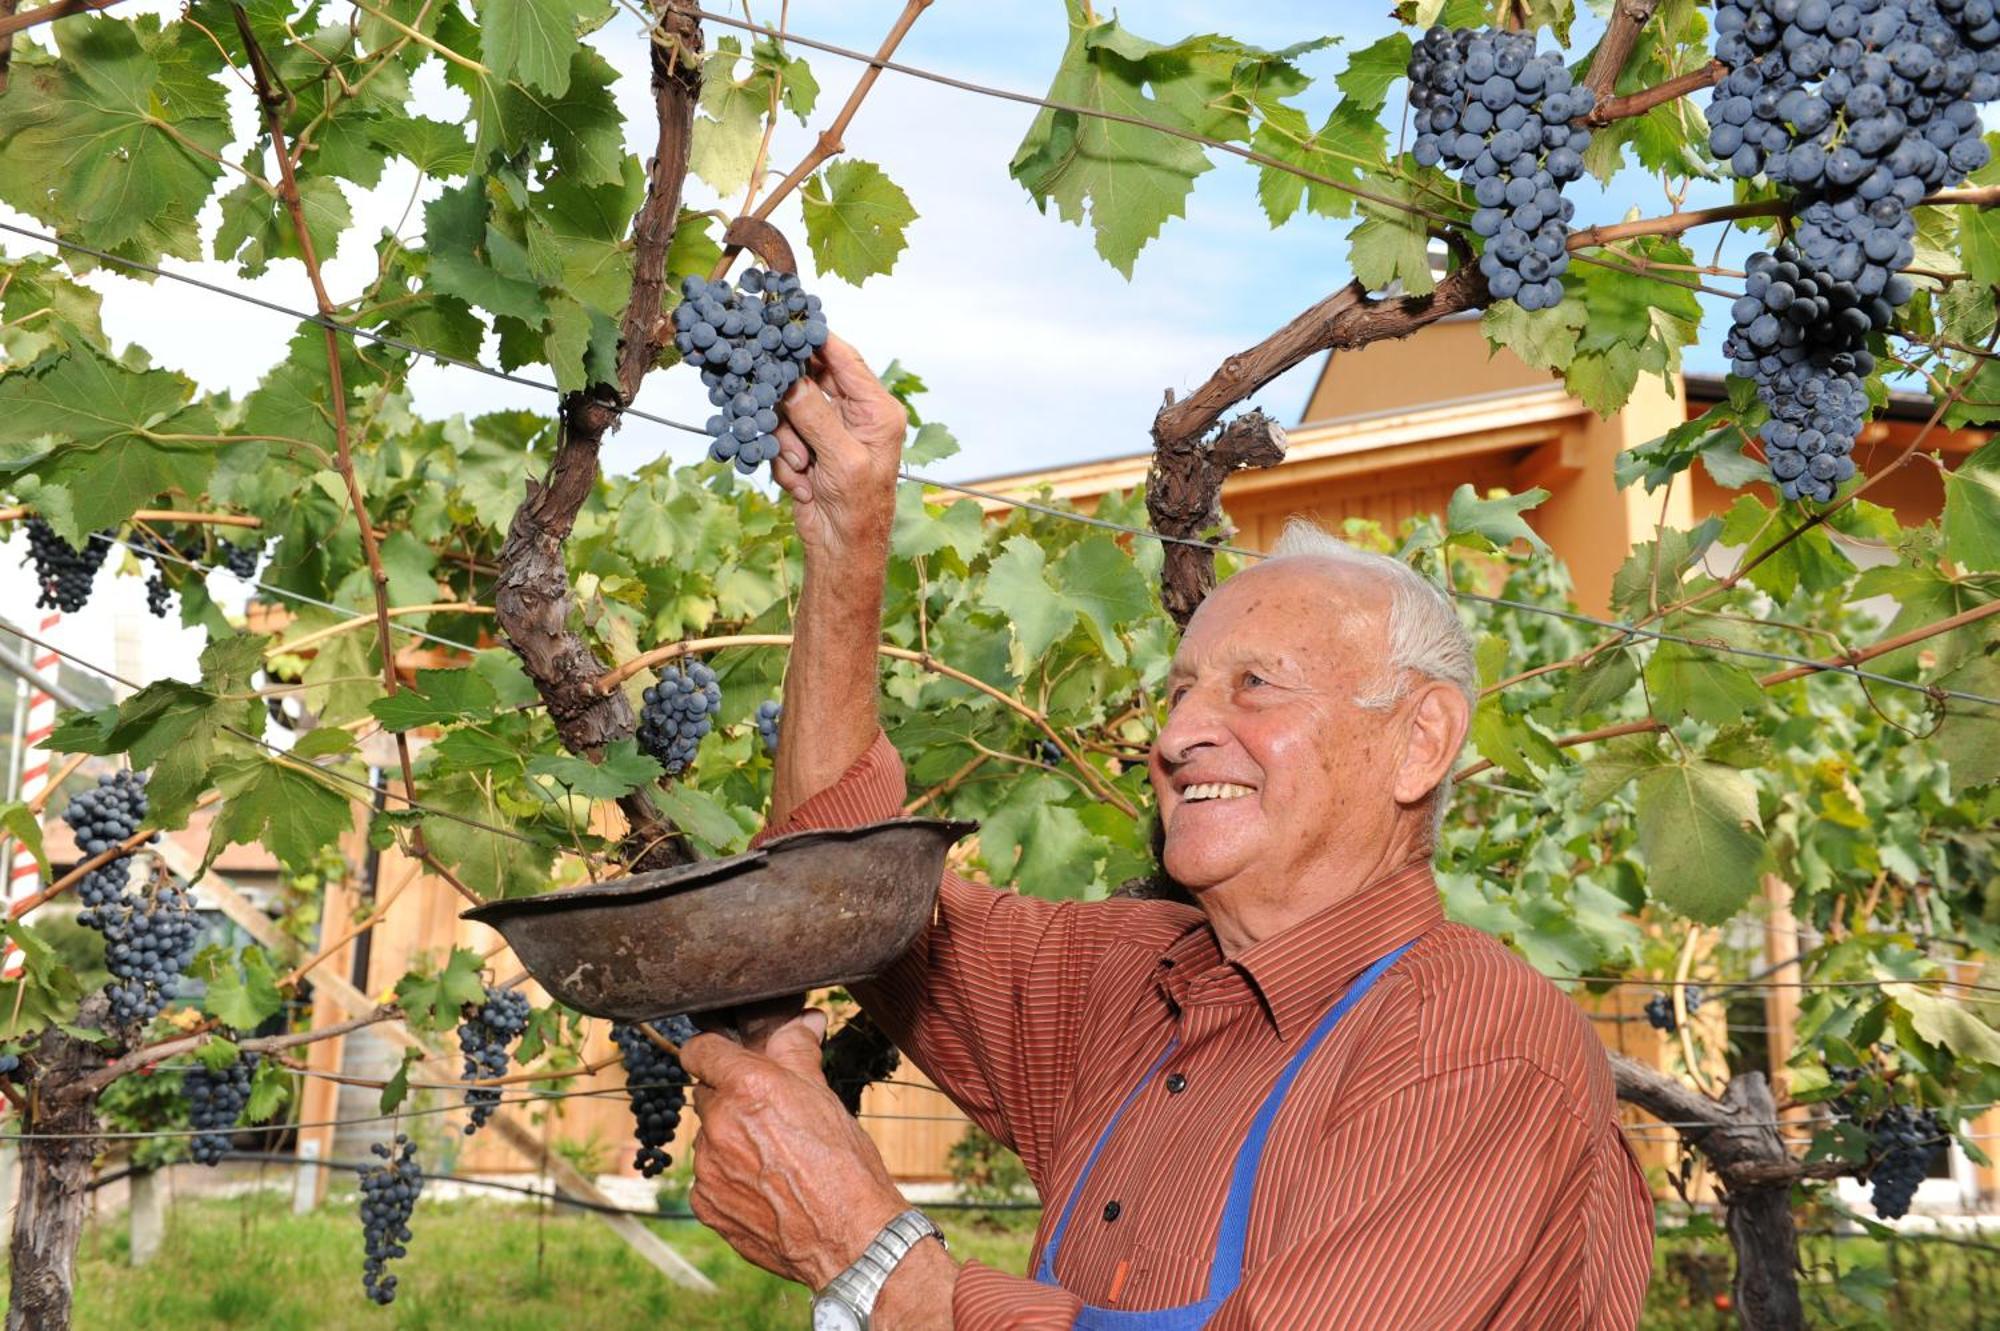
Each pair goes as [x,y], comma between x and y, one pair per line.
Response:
[989,1000]
[1488,1164]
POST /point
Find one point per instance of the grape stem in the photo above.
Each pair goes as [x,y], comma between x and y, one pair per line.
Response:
[1673,224]
[14,23]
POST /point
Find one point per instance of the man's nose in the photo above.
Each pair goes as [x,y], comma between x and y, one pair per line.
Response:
[1194,723]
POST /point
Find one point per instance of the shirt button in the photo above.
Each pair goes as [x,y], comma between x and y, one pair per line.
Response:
[1176,1083]
[1111,1210]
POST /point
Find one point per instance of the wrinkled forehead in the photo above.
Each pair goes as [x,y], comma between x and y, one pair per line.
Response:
[1315,615]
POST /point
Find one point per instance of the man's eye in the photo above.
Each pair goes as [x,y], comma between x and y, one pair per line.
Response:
[1251,679]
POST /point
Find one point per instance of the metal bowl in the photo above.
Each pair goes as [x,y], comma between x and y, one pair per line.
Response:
[801,912]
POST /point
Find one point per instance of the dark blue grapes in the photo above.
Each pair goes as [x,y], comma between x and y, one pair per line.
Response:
[657,1086]
[63,572]
[752,342]
[149,937]
[1660,1009]
[1801,338]
[215,1103]
[484,1036]
[1904,1142]
[769,714]
[169,556]
[242,560]
[679,712]
[1490,107]
[1861,107]
[389,1193]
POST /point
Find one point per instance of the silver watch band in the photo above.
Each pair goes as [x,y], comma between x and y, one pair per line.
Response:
[860,1284]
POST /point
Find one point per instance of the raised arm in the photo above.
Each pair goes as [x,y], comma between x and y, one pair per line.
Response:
[838,453]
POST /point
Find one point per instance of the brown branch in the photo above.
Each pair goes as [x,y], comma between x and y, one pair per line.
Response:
[611,679]
[1844,661]
[16,513]
[1621,34]
[274,101]
[1184,486]
[531,596]
[1673,224]
[13,22]
[264,1044]
[831,141]
[1638,103]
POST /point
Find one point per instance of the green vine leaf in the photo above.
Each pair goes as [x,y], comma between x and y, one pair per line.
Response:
[269,802]
[1972,510]
[1701,838]
[1126,179]
[117,143]
[432,1002]
[622,770]
[855,219]
[534,41]
[241,992]
[440,696]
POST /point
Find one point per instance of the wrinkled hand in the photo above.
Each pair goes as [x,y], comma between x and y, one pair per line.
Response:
[780,1171]
[839,445]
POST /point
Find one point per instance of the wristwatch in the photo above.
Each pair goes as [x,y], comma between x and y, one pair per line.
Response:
[849,1298]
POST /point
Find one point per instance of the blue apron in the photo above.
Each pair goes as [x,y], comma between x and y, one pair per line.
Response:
[1225,1271]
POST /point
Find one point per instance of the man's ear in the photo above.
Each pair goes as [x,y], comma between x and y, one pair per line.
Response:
[1438,719]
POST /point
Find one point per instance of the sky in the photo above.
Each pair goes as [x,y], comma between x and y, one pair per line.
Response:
[1035,351]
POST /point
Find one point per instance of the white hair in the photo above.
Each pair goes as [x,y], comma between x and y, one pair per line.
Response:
[1426,639]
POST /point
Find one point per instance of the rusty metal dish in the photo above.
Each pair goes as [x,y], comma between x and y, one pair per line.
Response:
[801,912]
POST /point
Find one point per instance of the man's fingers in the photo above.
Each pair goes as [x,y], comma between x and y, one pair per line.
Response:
[794,1046]
[843,365]
[792,450]
[714,1059]
[811,414]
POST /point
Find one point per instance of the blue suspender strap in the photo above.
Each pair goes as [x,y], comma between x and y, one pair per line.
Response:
[1046,1272]
[1227,1271]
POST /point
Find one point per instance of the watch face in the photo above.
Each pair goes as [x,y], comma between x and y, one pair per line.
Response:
[830,1314]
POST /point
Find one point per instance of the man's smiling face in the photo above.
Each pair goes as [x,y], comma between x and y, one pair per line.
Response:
[1266,767]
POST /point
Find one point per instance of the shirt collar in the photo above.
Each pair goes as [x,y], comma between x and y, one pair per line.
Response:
[1298,972]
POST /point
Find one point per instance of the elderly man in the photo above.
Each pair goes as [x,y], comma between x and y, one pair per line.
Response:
[1310,1103]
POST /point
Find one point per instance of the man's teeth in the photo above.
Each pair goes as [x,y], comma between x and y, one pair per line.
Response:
[1214,790]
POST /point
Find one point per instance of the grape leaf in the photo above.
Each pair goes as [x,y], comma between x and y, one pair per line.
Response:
[533,41]
[699,814]
[623,769]
[1700,837]
[476,843]
[1374,68]
[1493,523]
[1129,180]
[43,312]
[1617,764]
[1969,736]
[855,219]
[1947,1024]
[243,993]
[257,228]
[1545,339]
[1972,509]
[433,1002]
[440,696]
[477,262]
[105,434]
[1512,741]
[17,821]
[116,143]
[1390,244]
[1684,679]
[1349,147]
[437,149]
[291,814]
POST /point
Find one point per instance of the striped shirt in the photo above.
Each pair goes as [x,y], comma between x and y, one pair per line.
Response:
[1449,1158]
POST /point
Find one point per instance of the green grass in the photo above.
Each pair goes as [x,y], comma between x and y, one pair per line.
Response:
[250,1263]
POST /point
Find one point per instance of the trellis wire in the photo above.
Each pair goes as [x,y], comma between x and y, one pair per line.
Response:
[917,478]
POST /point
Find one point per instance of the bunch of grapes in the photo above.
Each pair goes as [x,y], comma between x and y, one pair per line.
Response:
[389,1194]
[1862,107]
[64,572]
[1904,1141]
[857,1056]
[149,937]
[215,1103]
[678,712]
[1489,106]
[769,714]
[242,560]
[657,1086]
[484,1035]
[165,552]
[752,342]
[1660,1009]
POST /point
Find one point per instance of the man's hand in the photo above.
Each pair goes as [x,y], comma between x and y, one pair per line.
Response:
[780,1170]
[839,446]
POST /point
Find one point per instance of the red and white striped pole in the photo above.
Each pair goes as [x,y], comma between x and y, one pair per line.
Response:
[24,877]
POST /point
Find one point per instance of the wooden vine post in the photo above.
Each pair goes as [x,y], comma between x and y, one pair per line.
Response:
[57,1149]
